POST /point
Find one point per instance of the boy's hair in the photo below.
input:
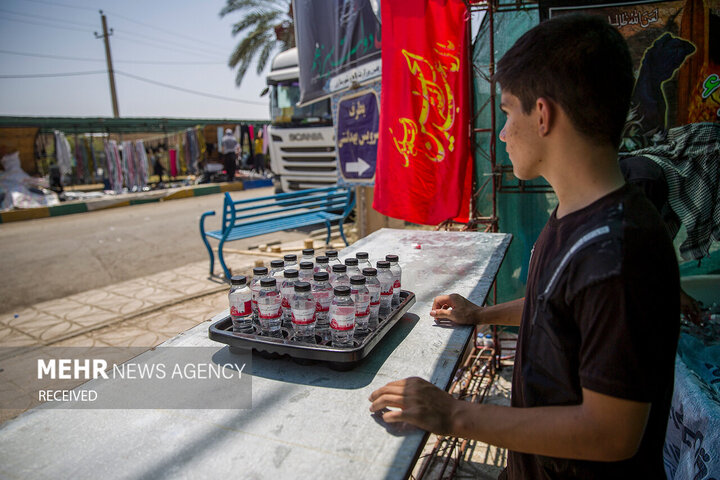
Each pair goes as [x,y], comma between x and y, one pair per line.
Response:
[580,62]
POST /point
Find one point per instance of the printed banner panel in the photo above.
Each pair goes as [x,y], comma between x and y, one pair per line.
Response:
[338,45]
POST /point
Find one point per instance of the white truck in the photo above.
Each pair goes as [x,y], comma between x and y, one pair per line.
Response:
[301,141]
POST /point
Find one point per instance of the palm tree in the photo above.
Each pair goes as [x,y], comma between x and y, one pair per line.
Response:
[270,27]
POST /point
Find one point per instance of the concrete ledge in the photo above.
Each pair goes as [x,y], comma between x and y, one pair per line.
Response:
[130,199]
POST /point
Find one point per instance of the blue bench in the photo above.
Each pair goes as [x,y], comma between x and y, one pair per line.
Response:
[284,211]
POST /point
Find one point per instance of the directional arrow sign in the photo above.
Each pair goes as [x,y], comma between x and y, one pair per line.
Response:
[358,167]
[358,122]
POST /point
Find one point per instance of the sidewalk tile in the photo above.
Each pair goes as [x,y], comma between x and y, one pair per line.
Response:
[85,340]
[120,304]
[13,338]
[45,327]
[139,290]
[189,286]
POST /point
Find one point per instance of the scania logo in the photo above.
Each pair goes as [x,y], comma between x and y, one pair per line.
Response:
[301,137]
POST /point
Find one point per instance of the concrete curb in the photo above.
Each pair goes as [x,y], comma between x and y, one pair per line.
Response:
[129,199]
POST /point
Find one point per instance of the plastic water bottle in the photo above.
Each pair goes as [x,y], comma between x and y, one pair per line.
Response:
[303,313]
[339,276]
[240,300]
[287,290]
[308,255]
[277,268]
[290,262]
[352,266]
[397,276]
[386,279]
[342,317]
[373,286]
[363,260]
[258,274]
[332,257]
[322,292]
[361,296]
[321,265]
[306,271]
[488,342]
[270,307]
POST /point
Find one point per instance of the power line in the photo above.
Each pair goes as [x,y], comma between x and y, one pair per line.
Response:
[85,59]
[136,77]
[156,45]
[52,75]
[45,24]
[187,90]
[59,20]
[154,27]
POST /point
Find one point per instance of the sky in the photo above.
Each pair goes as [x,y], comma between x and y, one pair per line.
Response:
[183,44]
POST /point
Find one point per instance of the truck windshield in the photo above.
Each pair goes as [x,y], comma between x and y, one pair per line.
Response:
[284,111]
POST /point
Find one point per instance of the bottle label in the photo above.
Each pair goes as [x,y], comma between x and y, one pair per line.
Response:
[303,316]
[241,309]
[387,292]
[322,301]
[269,311]
[363,310]
[343,318]
[396,286]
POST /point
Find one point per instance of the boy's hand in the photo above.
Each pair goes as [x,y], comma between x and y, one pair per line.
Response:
[453,308]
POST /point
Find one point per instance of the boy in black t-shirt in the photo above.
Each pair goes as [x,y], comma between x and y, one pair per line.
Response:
[594,366]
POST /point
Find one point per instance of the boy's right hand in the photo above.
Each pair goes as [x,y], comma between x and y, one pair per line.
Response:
[453,308]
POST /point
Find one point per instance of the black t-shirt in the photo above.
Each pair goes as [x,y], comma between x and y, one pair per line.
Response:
[601,312]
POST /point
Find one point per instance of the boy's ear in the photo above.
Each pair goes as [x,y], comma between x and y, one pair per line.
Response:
[545,115]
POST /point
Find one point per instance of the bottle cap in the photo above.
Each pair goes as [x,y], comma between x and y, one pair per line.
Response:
[306,265]
[321,277]
[342,291]
[238,280]
[291,273]
[383,264]
[331,253]
[302,287]
[339,268]
[308,252]
[290,258]
[351,262]
[369,272]
[260,271]
[391,258]
[277,264]
[362,255]
[357,280]
[322,259]
[268,282]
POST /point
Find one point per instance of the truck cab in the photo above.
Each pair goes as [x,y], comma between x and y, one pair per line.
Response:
[301,140]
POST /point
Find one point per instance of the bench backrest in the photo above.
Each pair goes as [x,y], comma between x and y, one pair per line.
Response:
[282,205]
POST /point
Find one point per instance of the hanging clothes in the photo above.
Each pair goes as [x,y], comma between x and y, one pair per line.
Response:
[141,164]
[91,162]
[62,155]
[79,163]
[114,166]
[265,142]
[127,164]
[173,162]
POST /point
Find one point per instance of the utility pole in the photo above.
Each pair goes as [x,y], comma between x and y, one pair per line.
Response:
[111,74]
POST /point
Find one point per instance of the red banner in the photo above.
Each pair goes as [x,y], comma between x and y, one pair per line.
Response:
[424,166]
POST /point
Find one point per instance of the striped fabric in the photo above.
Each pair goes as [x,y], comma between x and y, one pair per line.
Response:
[690,159]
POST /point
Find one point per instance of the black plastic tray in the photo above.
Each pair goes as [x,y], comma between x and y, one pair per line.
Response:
[336,357]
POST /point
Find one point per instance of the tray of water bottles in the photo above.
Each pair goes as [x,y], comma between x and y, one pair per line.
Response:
[321,349]
[323,311]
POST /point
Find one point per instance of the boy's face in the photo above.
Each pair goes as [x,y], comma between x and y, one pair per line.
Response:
[520,135]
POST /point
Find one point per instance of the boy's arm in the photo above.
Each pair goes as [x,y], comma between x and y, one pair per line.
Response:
[457,309]
[602,428]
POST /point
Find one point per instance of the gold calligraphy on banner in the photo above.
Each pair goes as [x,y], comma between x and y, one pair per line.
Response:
[430,134]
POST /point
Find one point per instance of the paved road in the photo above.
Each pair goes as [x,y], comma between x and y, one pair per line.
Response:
[50,258]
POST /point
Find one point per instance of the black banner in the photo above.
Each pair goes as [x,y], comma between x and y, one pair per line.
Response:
[338,45]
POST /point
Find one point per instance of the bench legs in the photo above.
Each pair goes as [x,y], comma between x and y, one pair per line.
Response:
[204,239]
[222,260]
[342,234]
